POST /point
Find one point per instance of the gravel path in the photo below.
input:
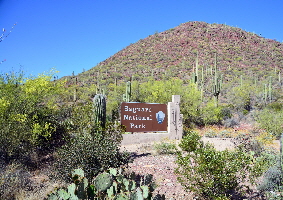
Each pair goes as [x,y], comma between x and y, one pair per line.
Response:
[162,168]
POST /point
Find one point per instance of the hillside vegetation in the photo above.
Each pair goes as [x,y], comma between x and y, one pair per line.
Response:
[240,70]
[173,52]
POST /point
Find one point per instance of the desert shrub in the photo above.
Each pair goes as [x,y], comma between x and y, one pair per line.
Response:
[247,142]
[243,97]
[265,138]
[165,147]
[271,183]
[270,119]
[230,123]
[213,174]
[212,114]
[93,150]
[211,134]
[272,180]
[27,114]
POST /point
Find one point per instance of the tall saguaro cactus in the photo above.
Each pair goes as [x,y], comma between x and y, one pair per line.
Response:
[217,83]
[195,73]
[127,95]
[217,89]
[281,155]
[270,89]
[76,89]
[99,103]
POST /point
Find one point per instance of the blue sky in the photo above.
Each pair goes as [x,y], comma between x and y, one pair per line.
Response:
[75,35]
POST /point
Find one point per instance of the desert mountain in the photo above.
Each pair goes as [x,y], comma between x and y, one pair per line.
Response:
[173,53]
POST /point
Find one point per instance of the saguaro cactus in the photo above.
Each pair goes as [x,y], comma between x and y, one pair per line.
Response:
[99,103]
[281,155]
[217,84]
[76,89]
[127,95]
[270,89]
[195,73]
[217,89]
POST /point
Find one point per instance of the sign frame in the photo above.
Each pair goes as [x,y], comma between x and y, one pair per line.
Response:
[144,117]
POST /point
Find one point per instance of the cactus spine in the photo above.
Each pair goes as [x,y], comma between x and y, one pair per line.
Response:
[99,103]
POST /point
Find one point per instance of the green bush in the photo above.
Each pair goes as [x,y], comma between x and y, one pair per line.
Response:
[93,150]
[165,147]
[211,114]
[212,174]
[272,180]
[271,183]
[270,119]
[28,111]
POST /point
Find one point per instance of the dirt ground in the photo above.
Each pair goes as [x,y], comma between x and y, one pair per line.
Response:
[219,143]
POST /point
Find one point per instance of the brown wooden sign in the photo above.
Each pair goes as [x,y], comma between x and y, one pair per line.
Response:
[144,117]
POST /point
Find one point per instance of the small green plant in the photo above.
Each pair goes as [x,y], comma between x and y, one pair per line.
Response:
[214,115]
[165,147]
[211,134]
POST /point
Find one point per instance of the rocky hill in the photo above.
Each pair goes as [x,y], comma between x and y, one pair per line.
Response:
[173,53]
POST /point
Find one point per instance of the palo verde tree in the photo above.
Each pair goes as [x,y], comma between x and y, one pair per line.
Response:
[27,112]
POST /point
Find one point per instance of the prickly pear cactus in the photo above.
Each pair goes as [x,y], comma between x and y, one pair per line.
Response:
[113,184]
[99,104]
[103,182]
